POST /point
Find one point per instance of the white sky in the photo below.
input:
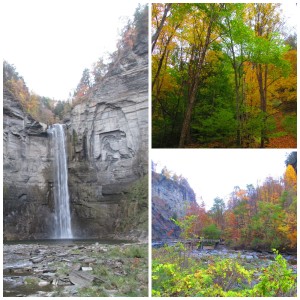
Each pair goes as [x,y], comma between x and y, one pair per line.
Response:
[291,14]
[214,173]
[50,42]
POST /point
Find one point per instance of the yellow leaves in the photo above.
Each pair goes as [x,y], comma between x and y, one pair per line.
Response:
[285,88]
[283,228]
[157,9]
[213,57]
[19,89]
[290,177]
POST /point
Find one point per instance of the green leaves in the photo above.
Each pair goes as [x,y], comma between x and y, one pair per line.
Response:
[221,278]
[222,94]
[277,280]
[211,232]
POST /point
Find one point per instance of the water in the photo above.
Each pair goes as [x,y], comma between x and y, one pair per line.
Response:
[61,192]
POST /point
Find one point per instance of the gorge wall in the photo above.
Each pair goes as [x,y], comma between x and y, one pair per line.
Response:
[170,199]
[108,144]
[27,174]
[107,138]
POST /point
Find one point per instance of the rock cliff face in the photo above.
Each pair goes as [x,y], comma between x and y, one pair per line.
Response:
[26,171]
[108,144]
[169,200]
[107,153]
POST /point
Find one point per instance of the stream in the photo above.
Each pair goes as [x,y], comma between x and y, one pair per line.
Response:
[55,267]
[255,258]
[259,259]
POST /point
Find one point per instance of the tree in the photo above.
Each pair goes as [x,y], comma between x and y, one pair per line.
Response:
[187,227]
[165,172]
[217,212]
[290,178]
[160,23]
[268,49]
[222,76]
[291,40]
[292,160]
[99,70]
[201,39]
[212,232]
[9,72]
[84,84]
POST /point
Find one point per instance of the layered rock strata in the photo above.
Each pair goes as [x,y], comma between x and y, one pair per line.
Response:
[27,175]
[107,145]
[170,199]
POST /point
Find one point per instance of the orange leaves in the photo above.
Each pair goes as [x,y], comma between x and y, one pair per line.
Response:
[232,230]
[264,216]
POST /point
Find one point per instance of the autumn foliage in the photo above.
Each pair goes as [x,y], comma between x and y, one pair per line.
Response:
[39,107]
[223,75]
[261,217]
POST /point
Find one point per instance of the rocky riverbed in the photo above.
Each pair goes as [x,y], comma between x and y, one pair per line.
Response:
[251,258]
[75,269]
[261,259]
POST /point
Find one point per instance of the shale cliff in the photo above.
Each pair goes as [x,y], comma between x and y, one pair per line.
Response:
[26,173]
[170,199]
[107,145]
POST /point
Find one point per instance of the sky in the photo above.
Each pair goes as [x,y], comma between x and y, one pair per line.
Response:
[214,173]
[51,42]
[291,15]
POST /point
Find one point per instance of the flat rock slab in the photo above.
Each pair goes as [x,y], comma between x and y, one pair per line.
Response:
[44,283]
[36,260]
[86,269]
[90,260]
[81,278]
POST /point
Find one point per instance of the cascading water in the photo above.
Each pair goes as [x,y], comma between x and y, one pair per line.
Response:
[61,192]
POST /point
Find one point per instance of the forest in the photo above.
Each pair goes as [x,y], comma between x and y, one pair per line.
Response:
[223,76]
[255,220]
[261,217]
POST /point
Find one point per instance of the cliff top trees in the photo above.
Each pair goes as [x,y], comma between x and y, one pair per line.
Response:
[40,108]
[83,86]
[133,38]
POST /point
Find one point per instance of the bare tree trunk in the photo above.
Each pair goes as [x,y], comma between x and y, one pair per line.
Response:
[263,101]
[187,118]
[237,103]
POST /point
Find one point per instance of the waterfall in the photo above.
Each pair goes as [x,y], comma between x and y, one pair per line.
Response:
[61,191]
